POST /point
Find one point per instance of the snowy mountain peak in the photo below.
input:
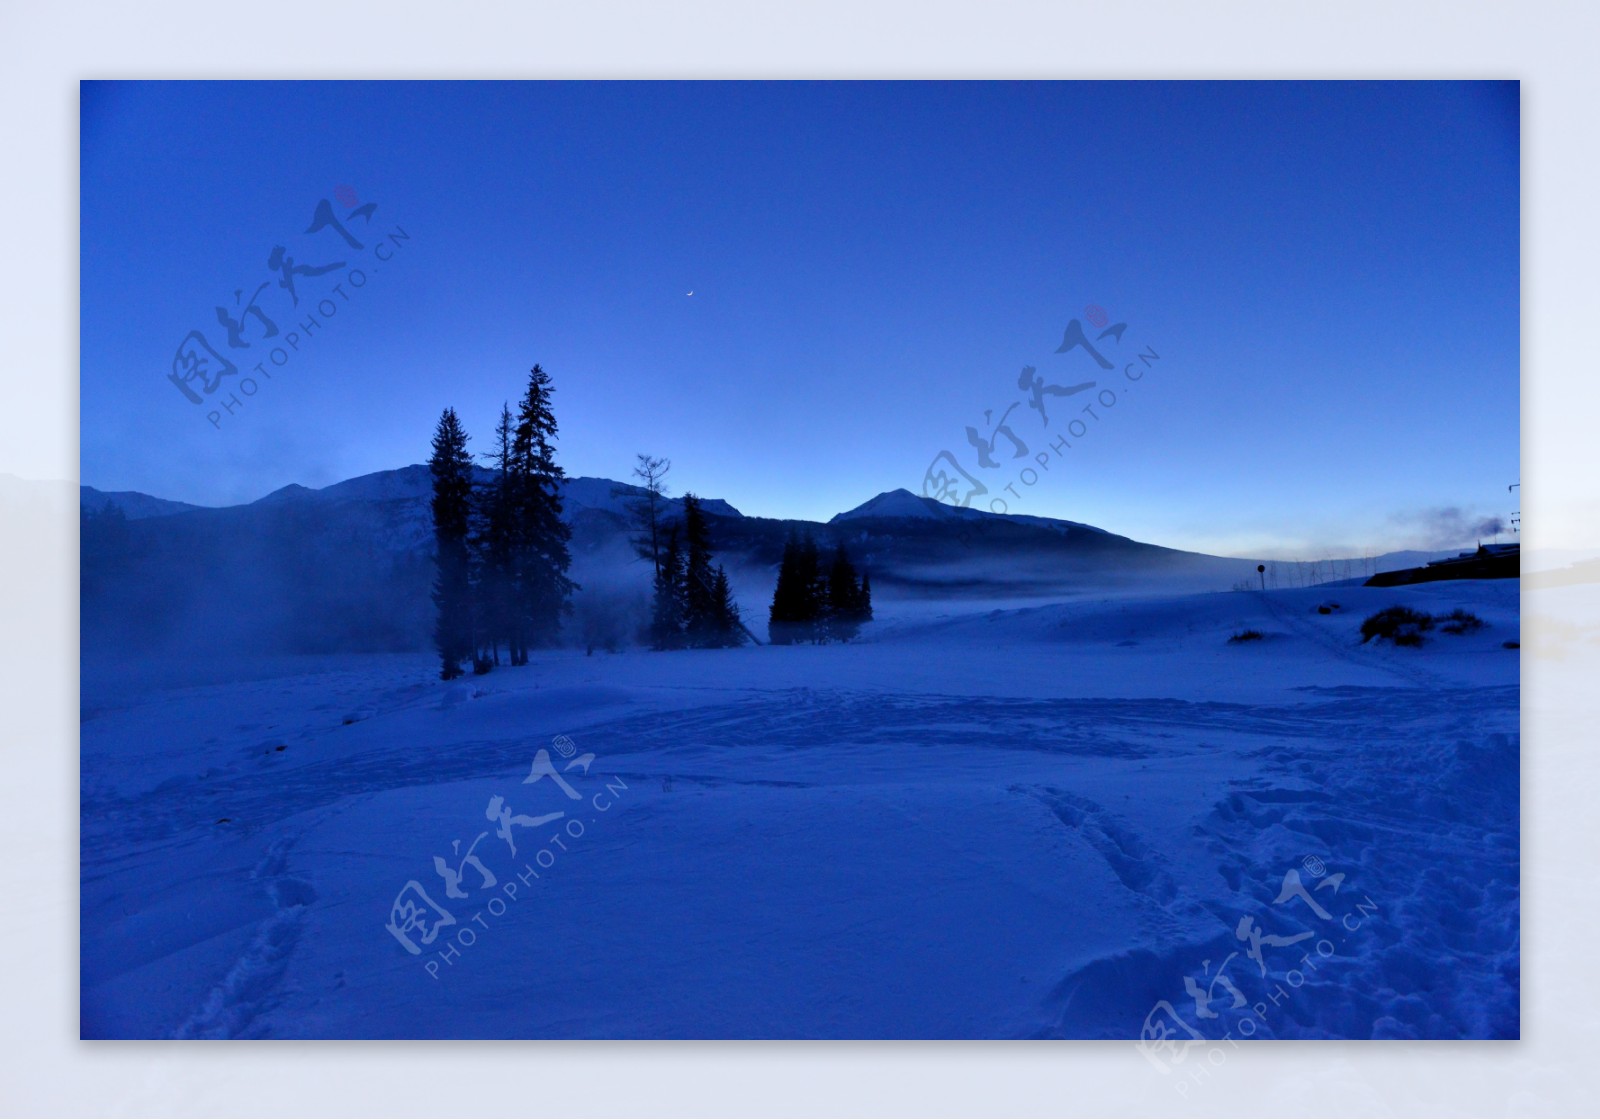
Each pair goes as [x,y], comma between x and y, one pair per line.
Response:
[900,503]
[292,492]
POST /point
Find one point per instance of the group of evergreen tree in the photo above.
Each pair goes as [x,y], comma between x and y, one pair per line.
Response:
[503,551]
[502,546]
[692,605]
[813,605]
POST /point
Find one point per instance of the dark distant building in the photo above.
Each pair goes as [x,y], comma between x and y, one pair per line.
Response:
[1491,561]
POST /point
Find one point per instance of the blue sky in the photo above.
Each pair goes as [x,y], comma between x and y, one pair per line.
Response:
[1328,271]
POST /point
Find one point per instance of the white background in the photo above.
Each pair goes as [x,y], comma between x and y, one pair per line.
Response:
[46,48]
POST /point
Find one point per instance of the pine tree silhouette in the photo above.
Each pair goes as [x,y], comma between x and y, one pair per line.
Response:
[784,617]
[810,605]
[494,549]
[813,589]
[710,617]
[539,536]
[800,599]
[451,470]
[729,626]
[666,617]
[648,509]
[699,608]
[843,614]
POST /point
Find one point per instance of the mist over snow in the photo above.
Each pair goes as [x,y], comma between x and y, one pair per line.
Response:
[349,566]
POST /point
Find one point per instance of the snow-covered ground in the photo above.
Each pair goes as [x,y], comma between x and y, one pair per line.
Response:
[1076,819]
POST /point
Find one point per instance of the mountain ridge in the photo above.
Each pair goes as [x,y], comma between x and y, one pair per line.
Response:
[350,566]
[595,494]
[398,484]
[587,491]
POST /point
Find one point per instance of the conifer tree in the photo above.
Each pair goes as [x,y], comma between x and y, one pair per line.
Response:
[666,617]
[812,605]
[648,509]
[842,617]
[801,595]
[540,537]
[494,548]
[710,616]
[451,470]
[699,605]
[729,627]
[785,617]
[813,589]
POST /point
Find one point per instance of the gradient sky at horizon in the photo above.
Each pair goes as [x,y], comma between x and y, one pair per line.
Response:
[1329,272]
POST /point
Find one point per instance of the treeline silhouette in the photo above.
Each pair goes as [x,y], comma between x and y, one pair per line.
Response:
[813,605]
[502,555]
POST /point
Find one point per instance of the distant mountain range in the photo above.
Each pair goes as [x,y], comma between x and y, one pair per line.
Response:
[349,566]
[133,504]
[411,483]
